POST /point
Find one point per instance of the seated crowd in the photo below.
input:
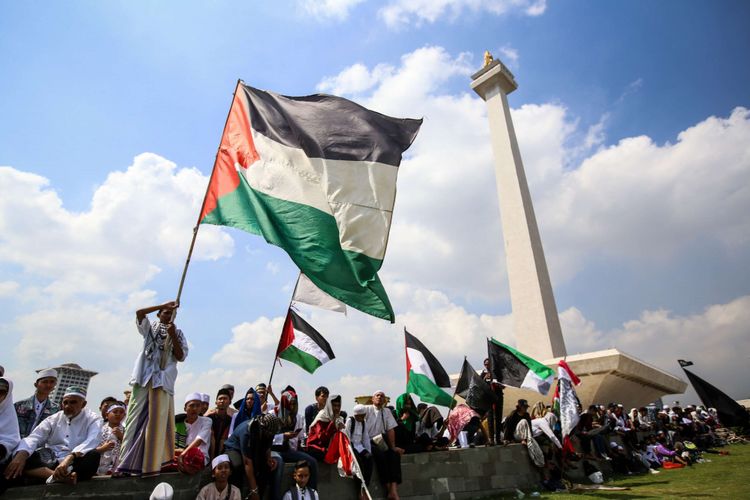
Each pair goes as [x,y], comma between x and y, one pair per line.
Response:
[245,443]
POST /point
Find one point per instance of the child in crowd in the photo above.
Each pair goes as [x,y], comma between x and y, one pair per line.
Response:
[300,491]
[220,489]
[110,438]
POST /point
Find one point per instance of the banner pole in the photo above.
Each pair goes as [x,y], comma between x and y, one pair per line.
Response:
[450,409]
[205,196]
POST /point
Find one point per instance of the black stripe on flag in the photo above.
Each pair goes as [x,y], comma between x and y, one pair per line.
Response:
[303,326]
[505,367]
[731,413]
[477,393]
[326,126]
[438,372]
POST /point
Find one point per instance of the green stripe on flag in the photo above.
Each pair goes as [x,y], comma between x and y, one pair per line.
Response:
[306,361]
[311,239]
[427,390]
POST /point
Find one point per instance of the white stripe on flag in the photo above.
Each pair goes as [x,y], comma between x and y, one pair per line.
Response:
[419,363]
[307,293]
[306,344]
[362,210]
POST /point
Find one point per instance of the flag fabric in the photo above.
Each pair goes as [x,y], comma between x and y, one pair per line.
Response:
[302,345]
[316,176]
[307,293]
[731,413]
[684,363]
[568,400]
[477,393]
[515,369]
[424,374]
[340,452]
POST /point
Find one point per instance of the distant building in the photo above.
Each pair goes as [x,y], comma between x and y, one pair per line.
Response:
[70,374]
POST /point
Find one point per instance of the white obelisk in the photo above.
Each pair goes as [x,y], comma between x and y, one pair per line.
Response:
[536,325]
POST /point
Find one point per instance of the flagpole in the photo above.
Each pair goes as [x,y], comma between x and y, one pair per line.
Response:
[361,480]
[205,196]
[450,408]
[276,358]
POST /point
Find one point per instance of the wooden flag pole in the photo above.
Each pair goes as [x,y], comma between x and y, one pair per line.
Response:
[276,357]
[203,205]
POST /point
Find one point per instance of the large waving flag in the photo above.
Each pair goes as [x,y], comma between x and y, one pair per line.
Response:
[301,344]
[515,369]
[316,176]
[307,293]
[424,374]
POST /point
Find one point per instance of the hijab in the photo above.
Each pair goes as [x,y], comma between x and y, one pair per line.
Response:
[9,435]
[288,408]
[326,414]
[413,418]
[245,413]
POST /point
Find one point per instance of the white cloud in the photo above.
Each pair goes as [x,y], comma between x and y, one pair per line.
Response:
[715,339]
[329,9]
[355,79]
[510,56]
[9,288]
[403,12]
[138,221]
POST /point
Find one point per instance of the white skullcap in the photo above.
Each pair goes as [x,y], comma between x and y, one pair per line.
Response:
[359,410]
[193,396]
[219,460]
[163,491]
[378,392]
[49,372]
[205,397]
[75,391]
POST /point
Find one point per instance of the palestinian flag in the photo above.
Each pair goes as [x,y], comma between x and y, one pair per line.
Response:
[301,344]
[424,374]
[316,176]
[515,369]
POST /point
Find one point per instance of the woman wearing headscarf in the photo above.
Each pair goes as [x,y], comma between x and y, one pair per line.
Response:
[249,409]
[292,433]
[9,433]
[324,426]
[407,418]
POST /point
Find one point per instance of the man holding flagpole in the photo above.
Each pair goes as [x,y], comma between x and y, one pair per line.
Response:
[148,444]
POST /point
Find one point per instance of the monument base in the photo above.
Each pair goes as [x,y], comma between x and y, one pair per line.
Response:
[608,376]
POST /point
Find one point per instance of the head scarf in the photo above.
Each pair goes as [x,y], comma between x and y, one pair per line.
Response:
[288,407]
[458,418]
[413,417]
[248,413]
[326,414]
[430,416]
[9,435]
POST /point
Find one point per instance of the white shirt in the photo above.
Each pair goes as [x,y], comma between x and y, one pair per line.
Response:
[64,436]
[147,364]
[379,420]
[306,494]
[357,434]
[541,425]
[201,428]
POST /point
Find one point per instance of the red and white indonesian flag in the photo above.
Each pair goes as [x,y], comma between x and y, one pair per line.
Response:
[301,344]
[566,382]
[316,176]
[340,452]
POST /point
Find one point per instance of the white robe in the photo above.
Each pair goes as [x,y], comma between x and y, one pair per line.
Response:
[64,436]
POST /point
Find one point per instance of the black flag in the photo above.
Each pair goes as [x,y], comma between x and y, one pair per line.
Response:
[731,413]
[477,393]
[684,363]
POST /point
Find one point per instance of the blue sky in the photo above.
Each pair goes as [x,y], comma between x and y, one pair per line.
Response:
[86,87]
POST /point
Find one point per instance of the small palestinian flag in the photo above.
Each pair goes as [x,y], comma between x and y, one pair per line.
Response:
[301,344]
[424,374]
[515,369]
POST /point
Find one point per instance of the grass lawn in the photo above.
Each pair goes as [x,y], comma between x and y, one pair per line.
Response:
[725,477]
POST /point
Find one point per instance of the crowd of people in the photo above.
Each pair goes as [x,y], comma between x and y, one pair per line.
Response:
[245,442]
